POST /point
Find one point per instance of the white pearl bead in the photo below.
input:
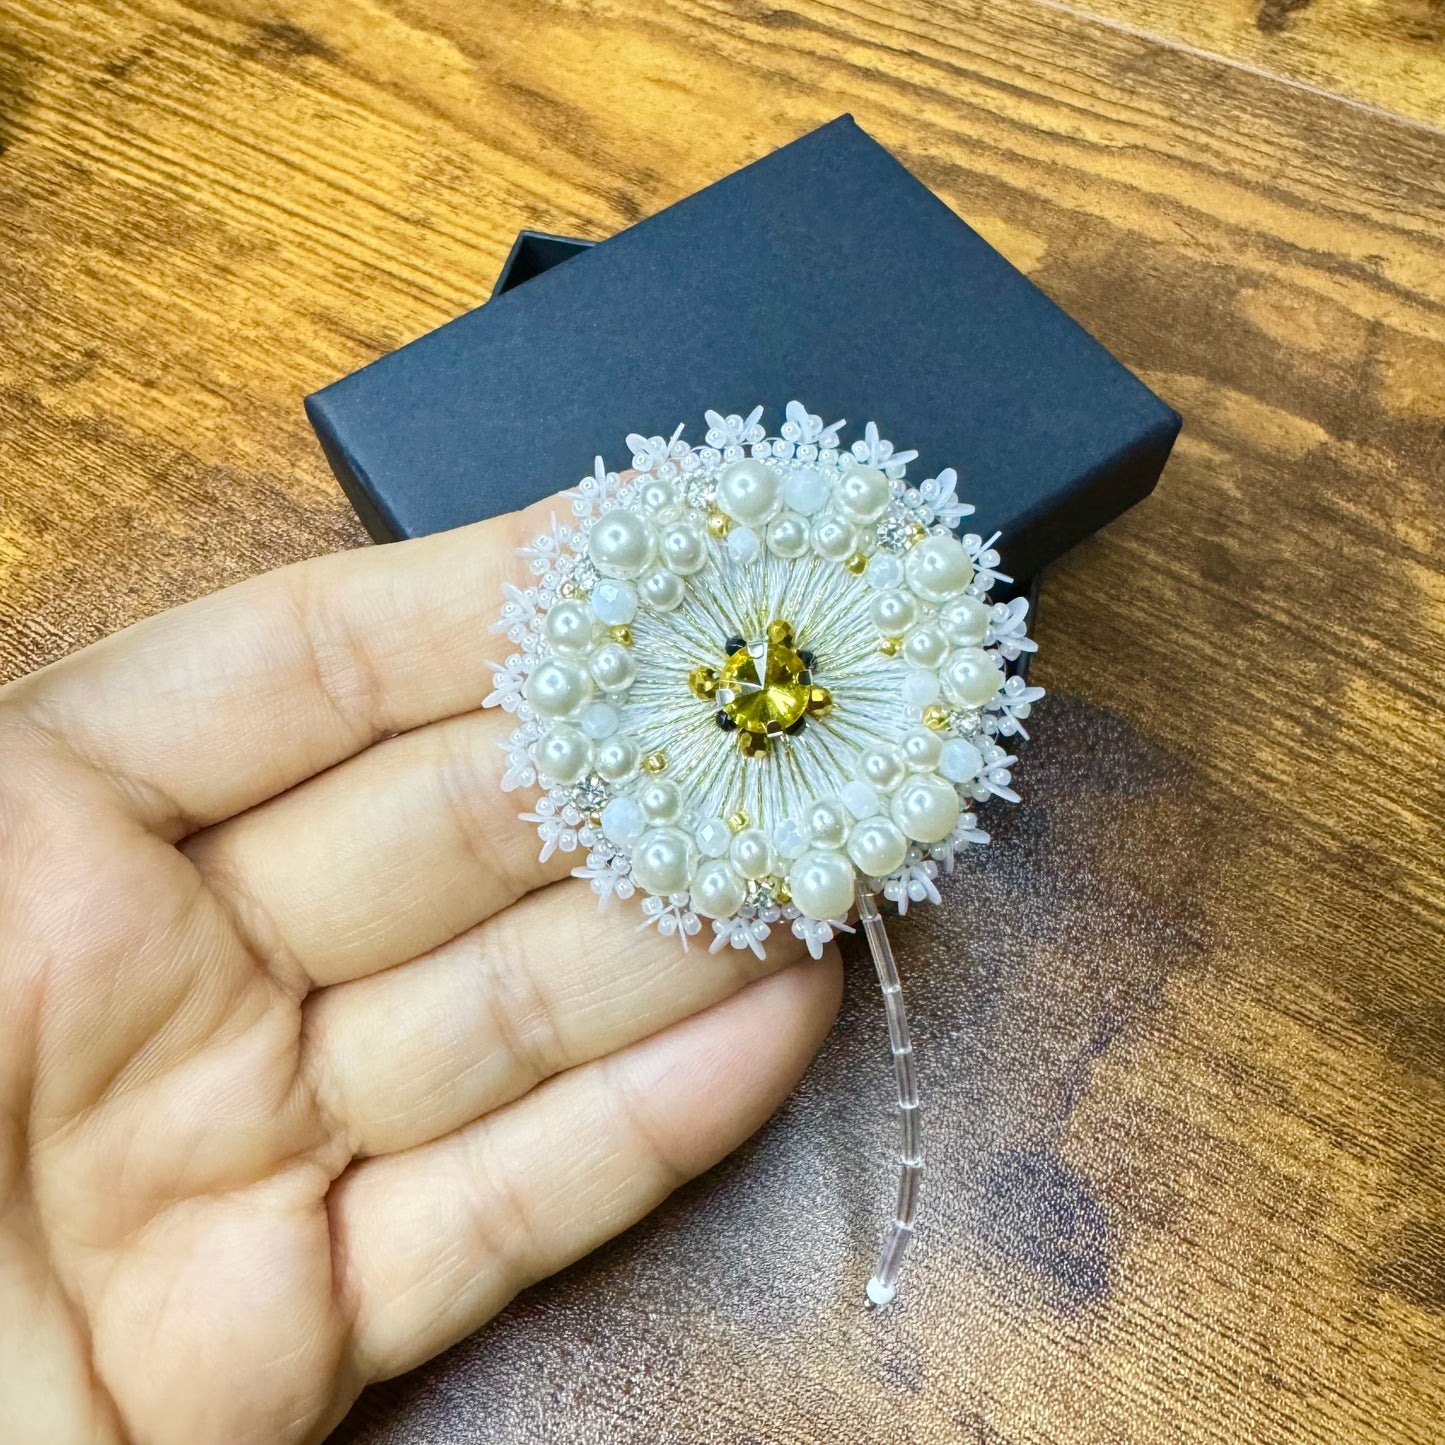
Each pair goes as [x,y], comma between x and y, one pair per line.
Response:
[883,767]
[558,689]
[788,535]
[964,621]
[926,808]
[834,538]
[821,884]
[864,493]
[617,759]
[860,800]
[920,687]
[807,490]
[749,492]
[971,677]
[662,861]
[827,824]
[892,612]
[613,667]
[684,548]
[623,821]
[659,498]
[563,753]
[717,891]
[938,568]
[614,603]
[752,853]
[621,544]
[925,647]
[789,839]
[922,746]
[743,545]
[877,847]
[885,572]
[714,838]
[661,801]
[960,761]
[568,627]
[663,590]
[599,720]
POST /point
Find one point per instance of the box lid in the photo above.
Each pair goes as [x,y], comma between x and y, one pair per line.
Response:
[824,272]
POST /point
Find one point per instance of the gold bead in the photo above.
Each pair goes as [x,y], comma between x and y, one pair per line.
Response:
[702,681]
[891,646]
[595,819]
[820,700]
[719,524]
[857,564]
[654,763]
[737,821]
[935,717]
[915,531]
[752,745]
[782,894]
[781,632]
[621,633]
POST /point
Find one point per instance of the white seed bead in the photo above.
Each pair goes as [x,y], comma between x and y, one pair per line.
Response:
[599,720]
[568,627]
[877,847]
[563,753]
[925,646]
[788,535]
[749,492]
[558,689]
[717,891]
[662,861]
[752,853]
[614,603]
[827,824]
[617,759]
[885,572]
[964,621]
[926,808]
[714,838]
[807,490]
[821,883]
[892,612]
[920,687]
[661,801]
[834,538]
[960,761]
[663,590]
[864,493]
[883,767]
[623,821]
[789,839]
[612,666]
[743,545]
[621,544]
[971,677]
[922,746]
[684,548]
[860,800]
[938,568]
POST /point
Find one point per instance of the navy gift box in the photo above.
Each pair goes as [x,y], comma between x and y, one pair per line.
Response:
[825,272]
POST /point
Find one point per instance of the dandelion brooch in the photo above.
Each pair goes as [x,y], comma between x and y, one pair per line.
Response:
[761,683]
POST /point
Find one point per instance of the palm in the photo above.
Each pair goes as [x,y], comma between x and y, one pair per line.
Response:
[305,1065]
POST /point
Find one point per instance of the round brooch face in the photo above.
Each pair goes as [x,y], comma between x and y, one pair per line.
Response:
[758,673]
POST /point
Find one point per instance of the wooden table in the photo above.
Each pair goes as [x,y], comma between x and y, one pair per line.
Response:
[1186,1037]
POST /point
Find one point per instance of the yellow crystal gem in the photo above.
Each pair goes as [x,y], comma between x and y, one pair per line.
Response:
[766,687]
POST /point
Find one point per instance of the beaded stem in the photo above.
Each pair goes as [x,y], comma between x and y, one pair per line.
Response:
[884,1283]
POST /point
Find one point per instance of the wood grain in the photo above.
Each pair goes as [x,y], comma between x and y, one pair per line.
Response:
[1190,1014]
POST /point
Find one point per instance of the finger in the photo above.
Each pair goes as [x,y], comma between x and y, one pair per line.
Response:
[417,1051]
[381,858]
[209,709]
[433,1242]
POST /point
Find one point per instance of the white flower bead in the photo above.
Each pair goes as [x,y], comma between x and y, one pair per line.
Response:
[663,590]
[743,545]
[834,538]
[876,847]
[661,801]
[621,544]
[558,689]
[860,800]
[714,838]
[613,667]
[614,603]
[752,853]
[807,490]
[662,861]
[922,747]
[892,612]
[599,720]
[623,821]
[864,493]
[827,824]
[938,568]
[617,758]
[789,839]
[971,677]
[925,646]
[821,883]
[960,761]
[717,891]
[882,767]
[568,627]
[684,548]
[885,572]
[926,808]
[920,687]
[964,621]
[749,492]
[788,535]
[563,753]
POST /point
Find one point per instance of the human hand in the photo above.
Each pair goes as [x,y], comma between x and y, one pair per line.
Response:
[307,1065]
